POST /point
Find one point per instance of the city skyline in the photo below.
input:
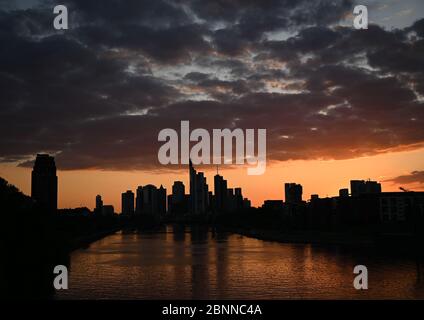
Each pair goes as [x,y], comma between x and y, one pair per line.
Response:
[216,196]
[112,194]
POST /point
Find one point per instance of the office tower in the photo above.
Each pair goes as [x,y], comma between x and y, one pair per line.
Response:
[202,191]
[237,192]
[139,200]
[293,193]
[220,189]
[246,203]
[358,187]
[211,202]
[231,204]
[177,203]
[128,203]
[150,200]
[372,187]
[44,182]
[198,191]
[178,192]
[108,210]
[230,192]
[193,188]
[171,207]
[344,193]
[238,198]
[99,205]
[161,200]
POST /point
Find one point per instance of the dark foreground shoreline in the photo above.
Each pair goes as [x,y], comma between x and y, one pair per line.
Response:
[85,241]
[394,244]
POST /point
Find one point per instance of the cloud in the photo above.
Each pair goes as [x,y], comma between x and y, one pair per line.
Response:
[413,177]
[98,94]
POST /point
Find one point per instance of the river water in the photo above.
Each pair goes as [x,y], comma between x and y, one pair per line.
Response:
[197,263]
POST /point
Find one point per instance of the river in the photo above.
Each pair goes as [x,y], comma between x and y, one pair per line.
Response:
[197,263]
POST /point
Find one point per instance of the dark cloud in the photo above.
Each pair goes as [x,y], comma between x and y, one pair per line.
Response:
[155,13]
[170,45]
[413,177]
[97,94]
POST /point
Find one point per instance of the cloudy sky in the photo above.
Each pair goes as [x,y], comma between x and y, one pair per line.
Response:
[337,103]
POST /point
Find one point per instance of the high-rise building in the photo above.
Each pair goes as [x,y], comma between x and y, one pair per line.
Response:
[139,200]
[358,187]
[193,188]
[293,193]
[202,190]
[161,200]
[150,200]
[177,203]
[128,203]
[239,198]
[99,205]
[178,192]
[199,200]
[231,204]
[220,189]
[246,203]
[237,192]
[44,182]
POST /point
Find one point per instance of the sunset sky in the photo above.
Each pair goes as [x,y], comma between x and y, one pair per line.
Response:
[337,103]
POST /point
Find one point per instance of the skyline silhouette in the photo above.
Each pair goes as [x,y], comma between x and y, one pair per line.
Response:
[366,204]
[281,194]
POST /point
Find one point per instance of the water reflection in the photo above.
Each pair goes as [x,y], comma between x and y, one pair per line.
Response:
[179,262]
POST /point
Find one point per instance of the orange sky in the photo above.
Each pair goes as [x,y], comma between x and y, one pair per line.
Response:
[79,188]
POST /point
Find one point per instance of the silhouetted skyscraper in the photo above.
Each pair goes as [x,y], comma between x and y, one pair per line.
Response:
[231,204]
[358,187]
[150,200]
[139,200]
[44,182]
[198,191]
[178,192]
[239,198]
[99,205]
[128,203]
[177,202]
[293,193]
[220,189]
[246,203]
[193,184]
[161,200]
[202,191]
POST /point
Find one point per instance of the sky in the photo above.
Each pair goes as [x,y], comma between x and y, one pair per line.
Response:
[337,103]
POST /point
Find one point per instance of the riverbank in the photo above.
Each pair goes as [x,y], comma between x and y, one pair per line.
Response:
[391,244]
[306,237]
[84,241]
